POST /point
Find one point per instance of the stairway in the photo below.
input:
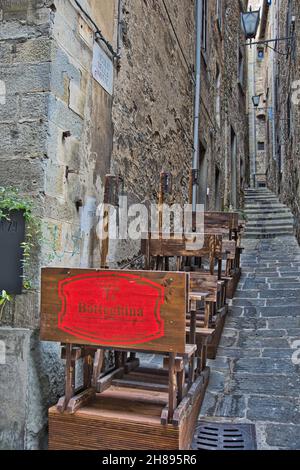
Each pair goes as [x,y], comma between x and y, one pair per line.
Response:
[267,217]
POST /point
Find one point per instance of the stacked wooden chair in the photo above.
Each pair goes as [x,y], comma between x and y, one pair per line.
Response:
[103,319]
[172,310]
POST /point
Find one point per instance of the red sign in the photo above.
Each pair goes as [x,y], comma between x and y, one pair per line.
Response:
[111,308]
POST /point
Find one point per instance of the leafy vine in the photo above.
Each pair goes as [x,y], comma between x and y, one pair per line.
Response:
[12,200]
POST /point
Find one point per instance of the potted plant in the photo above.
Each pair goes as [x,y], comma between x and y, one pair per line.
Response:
[18,229]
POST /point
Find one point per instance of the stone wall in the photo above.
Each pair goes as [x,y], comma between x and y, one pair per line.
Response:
[61,133]
[283,149]
[153,106]
[56,133]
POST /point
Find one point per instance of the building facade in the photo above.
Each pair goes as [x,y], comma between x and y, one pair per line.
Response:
[93,87]
[277,82]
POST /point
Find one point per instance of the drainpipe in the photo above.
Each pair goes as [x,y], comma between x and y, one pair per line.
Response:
[119,33]
[254,52]
[199,13]
[274,72]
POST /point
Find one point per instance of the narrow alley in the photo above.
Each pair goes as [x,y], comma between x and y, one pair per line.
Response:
[149,226]
[254,378]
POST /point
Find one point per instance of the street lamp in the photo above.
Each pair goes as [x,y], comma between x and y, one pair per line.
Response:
[256,100]
[250,23]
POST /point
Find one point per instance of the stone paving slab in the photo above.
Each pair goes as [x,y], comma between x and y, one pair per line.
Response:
[254,379]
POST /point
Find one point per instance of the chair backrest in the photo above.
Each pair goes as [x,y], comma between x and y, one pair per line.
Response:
[203,282]
[126,310]
[221,221]
[229,247]
[189,245]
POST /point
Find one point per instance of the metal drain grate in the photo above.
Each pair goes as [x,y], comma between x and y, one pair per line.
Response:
[222,436]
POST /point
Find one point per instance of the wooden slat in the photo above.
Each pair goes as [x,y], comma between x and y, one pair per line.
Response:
[144,310]
[221,220]
[166,245]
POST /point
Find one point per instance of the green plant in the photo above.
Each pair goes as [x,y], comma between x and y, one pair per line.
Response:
[12,200]
[4,298]
[243,215]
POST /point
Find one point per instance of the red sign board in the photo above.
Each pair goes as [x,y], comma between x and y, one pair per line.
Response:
[125,310]
[111,308]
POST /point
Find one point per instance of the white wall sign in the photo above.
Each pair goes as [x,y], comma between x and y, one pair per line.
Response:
[103,69]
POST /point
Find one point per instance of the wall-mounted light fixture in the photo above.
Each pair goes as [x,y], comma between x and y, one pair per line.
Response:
[256,100]
[250,23]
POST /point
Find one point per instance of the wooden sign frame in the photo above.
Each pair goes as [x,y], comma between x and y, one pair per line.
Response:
[126,310]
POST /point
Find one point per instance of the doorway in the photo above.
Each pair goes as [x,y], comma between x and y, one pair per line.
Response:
[233,169]
[203,168]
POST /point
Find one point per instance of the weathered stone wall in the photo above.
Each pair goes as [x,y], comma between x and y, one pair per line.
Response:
[59,130]
[284,170]
[235,106]
[153,106]
[257,78]
[56,134]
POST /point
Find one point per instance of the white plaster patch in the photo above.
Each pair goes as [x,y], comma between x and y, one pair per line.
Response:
[77,99]
[2,92]
[2,353]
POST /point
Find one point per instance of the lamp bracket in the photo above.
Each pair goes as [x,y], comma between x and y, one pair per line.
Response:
[268,41]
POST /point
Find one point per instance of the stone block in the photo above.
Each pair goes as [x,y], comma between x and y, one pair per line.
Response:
[34,50]
[283,436]
[62,116]
[34,106]
[26,138]
[13,388]
[31,380]
[9,108]
[265,366]
[231,406]
[27,175]
[265,384]
[56,180]
[24,78]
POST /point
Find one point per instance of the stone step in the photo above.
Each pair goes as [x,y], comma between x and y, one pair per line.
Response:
[269,225]
[258,191]
[271,229]
[264,204]
[286,218]
[266,210]
[260,235]
[260,198]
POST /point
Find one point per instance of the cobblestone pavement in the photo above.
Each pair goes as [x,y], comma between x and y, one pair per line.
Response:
[254,379]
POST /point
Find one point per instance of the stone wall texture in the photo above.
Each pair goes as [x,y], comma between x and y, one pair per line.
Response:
[56,134]
[283,149]
[61,133]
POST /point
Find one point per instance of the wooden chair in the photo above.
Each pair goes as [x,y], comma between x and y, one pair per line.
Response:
[227,224]
[125,311]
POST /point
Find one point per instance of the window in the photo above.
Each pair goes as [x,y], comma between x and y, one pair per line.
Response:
[218,96]
[289,115]
[260,146]
[288,24]
[260,53]
[219,10]
[218,202]
[204,25]
[241,71]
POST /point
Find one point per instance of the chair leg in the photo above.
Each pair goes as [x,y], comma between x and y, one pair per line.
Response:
[70,375]
[172,387]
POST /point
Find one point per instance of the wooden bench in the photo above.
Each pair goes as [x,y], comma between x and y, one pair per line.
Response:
[159,248]
[124,311]
[228,225]
[207,289]
[212,314]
